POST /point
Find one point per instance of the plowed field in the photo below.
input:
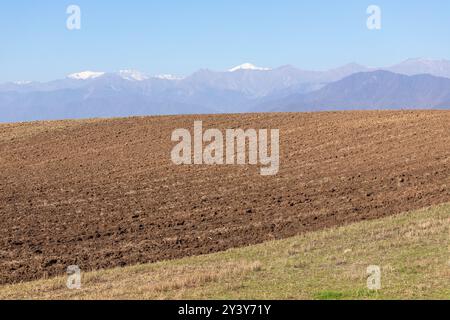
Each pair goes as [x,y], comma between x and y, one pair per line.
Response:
[105,193]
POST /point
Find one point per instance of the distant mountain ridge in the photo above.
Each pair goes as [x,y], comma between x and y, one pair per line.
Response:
[372,90]
[243,88]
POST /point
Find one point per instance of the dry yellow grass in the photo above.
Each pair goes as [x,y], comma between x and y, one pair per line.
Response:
[412,250]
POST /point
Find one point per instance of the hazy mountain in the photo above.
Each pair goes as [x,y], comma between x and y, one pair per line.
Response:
[72,104]
[264,83]
[371,90]
[240,89]
[109,95]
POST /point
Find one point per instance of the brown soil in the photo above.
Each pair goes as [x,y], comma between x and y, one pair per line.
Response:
[104,193]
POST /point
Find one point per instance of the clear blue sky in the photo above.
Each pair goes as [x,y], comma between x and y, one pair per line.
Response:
[181,36]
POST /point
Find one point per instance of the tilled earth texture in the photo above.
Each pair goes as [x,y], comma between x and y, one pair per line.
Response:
[105,193]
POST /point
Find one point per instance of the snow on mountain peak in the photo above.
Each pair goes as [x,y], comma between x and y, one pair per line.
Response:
[248,66]
[132,75]
[85,75]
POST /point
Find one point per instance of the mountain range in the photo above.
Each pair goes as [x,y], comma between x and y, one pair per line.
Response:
[372,90]
[414,83]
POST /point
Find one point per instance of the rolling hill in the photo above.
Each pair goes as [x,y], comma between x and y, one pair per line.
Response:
[104,193]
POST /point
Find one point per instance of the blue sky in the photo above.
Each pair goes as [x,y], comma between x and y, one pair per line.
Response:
[181,36]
